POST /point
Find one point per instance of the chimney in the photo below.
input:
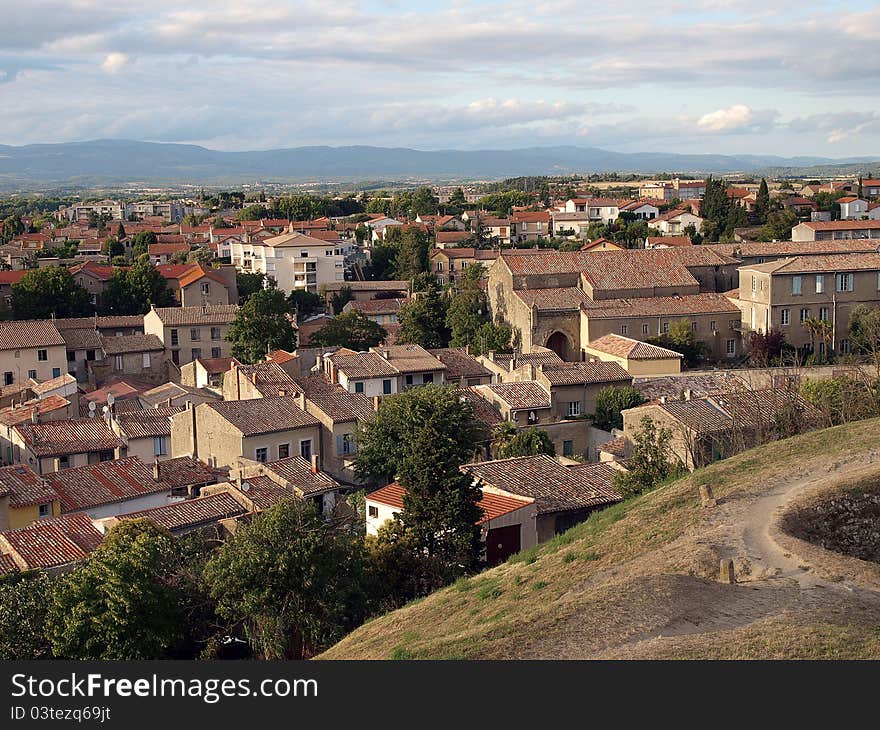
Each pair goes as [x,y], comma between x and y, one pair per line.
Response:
[194,429]
[314,463]
[156,470]
[384,353]
[688,394]
[663,399]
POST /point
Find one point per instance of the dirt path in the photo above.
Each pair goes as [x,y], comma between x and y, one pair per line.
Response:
[652,613]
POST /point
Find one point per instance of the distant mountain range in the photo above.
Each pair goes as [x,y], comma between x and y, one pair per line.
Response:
[121,162]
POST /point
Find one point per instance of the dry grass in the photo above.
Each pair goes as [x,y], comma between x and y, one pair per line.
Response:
[625,575]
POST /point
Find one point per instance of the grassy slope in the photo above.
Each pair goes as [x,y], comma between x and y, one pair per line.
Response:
[576,576]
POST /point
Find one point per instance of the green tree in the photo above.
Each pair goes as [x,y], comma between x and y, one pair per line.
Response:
[762,203]
[305,303]
[340,299]
[251,213]
[386,441]
[423,202]
[680,338]
[611,401]
[467,312]
[141,242]
[778,226]
[492,336]
[123,602]
[200,255]
[262,323]
[412,251]
[12,227]
[24,601]
[351,329]
[652,461]
[423,320]
[120,231]
[249,284]
[113,247]
[133,291]
[51,290]
[530,442]
[294,582]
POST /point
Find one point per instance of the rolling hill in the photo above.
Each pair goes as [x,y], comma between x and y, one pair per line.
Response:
[640,580]
[121,162]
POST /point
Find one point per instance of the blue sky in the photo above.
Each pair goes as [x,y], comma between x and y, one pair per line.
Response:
[726,76]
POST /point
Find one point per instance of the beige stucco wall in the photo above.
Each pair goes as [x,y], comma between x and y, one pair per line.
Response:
[19,362]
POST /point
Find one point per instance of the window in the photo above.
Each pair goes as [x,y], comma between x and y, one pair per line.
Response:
[439,266]
[160,445]
[56,372]
[90,354]
[174,337]
[574,408]
[785,316]
[795,285]
[175,357]
[665,328]
[820,284]
[644,329]
[844,346]
[45,510]
[206,288]
[409,380]
[42,355]
[568,448]
[215,333]
[754,283]
[71,356]
[694,326]
[844,282]
[427,378]
[623,329]
[373,511]
[386,387]
[283,451]
[878,281]
[195,334]
[117,362]
[107,455]
[359,386]
[823,314]
[305,449]
[731,324]
[731,347]
[215,352]
[7,378]
[805,314]
[63,462]
[145,360]
[261,453]
[32,374]
[196,353]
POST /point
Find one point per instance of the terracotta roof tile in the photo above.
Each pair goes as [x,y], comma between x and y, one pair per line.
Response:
[207,314]
[492,505]
[577,373]
[60,438]
[29,333]
[184,471]
[630,349]
[191,513]
[524,395]
[263,415]
[554,487]
[107,482]
[25,487]
[55,542]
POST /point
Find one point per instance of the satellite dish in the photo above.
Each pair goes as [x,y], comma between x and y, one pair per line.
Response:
[110,399]
[532,416]
[105,410]
[92,406]
[245,487]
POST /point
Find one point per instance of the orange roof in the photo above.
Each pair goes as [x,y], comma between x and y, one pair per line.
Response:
[493,505]
[197,272]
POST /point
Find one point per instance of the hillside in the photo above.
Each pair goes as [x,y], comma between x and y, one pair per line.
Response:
[125,162]
[640,580]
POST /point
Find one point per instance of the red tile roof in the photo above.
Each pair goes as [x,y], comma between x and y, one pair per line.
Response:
[523,395]
[630,349]
[492,505]
[29,333]
[106,482]
[59,438]
[185,471]
[191,513]
[52,543]
[25,487]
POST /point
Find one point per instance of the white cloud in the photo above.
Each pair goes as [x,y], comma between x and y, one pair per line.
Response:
[734,117]
[114,62]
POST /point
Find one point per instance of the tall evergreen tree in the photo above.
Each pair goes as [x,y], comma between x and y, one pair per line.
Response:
[762,203]
[423,321]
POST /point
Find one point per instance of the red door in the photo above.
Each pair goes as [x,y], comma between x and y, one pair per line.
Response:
[501,543]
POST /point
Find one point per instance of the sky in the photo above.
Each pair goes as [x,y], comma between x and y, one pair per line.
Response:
[720,76]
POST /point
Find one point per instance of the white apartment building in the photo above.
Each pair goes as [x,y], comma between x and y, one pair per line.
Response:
[171,210]
[292,260]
